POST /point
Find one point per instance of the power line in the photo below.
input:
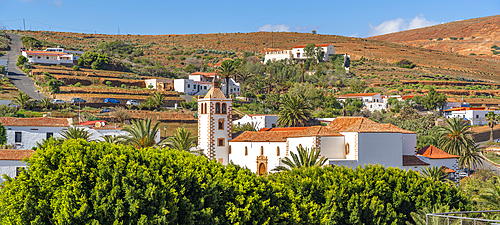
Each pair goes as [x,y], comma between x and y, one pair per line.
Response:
[67,28]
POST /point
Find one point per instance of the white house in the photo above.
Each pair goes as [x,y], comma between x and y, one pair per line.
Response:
[371,101]
[476,116]
[199,83]
[160,84]
[49,57]
[260,120]
[11,162]
[437,157]
[347,141]
[298,53]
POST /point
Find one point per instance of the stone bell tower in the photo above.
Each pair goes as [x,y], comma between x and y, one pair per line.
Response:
[215,125]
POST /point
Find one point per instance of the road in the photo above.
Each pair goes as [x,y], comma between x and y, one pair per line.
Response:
[16,76]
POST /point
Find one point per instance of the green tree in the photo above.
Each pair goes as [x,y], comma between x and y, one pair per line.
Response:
[54,85]
[470,158]
[46,103]
[319,54]
[142,133]
[294,112]
[356,85]
[492,119]
[309,50]
[252,126]
[76,133]
[434,100]
[21,60]
[158,99]
[489,196]
[226,71]
[22,100]
[100,63]
[435,173]
[181,140]
[305,158]
[3,134]
[456,137]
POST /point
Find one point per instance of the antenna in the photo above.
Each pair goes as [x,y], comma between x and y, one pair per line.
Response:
[24,24]
[118,30]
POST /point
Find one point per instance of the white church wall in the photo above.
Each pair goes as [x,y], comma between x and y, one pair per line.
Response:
[306,142]
[409,144]
[332,147]
[351,139]
[380,148]
[249,160]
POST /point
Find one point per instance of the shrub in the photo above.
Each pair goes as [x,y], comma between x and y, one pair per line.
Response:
[76,68]
[21,60]
[78,84]
[109,83]
[123,86]
[151,86]
[182,58]
[405,64]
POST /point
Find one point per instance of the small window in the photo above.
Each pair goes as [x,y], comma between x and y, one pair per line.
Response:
[189,86]
[477,116]
[18,137]
[49,135]
[278,151]
[230,149]
[220,142]
[224,108]
[221,160]
[217,108]
[39,57]
[246,150]
[205,87]
[47,57]
[347,149]
[261,150]
[273,125]
[221,124]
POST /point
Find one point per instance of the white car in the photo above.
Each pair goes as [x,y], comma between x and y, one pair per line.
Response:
[58,101]
[132,102]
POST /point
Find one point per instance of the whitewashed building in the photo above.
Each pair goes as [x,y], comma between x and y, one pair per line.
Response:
[49,57]
[437,157]
[11,162]
[260,120]
[199,83]
[476,116]
[298,53]
[371,101]
[160,84]
[346,141]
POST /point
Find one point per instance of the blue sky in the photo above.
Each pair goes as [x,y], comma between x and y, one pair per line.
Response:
[347,18]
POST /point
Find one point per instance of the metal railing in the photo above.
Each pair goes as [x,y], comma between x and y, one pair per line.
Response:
[464,218]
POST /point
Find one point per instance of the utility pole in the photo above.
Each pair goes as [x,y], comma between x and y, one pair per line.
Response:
[118,30]
[24,24]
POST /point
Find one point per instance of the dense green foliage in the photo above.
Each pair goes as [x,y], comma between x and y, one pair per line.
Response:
[21,60]
[294,112]
[94,60]
[405,63]
[434,100]
[3,134]
[31,42]
[305,158]
[80,182]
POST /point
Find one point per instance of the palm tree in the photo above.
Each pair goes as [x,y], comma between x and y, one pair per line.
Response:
[227,69]
[181,140]
[46,103]
[435,173]
[252,126]
[114,139]
[157,99]
[141,133]
[492,119]
[471,158]
[22,100]
[305,158]
[456,137]
[76,133]
[294,111]
[419,217]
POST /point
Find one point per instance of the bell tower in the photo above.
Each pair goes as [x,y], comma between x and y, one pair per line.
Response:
[215,125]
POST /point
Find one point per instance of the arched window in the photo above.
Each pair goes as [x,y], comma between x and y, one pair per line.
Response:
[224,108]
[278,151]
[205,108]
[221,124]
[347,149]
[229,149]
[246,150]
[202,111]
[261,150]
[217,108]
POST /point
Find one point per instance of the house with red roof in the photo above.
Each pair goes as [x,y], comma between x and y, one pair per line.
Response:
[437,157]
[11,162]
[50,57]
[476,115]
[371,101]
[298,53]
[199,83]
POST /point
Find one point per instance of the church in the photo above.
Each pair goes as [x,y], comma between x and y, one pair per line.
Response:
[346,141]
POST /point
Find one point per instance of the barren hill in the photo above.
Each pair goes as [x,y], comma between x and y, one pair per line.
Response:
[467,37]
[158,47]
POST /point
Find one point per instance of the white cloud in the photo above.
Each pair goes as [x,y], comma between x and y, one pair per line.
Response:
[399,24]
[278,27]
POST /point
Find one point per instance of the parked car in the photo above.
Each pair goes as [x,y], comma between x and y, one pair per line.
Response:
[23,49]
[77,100]
[111,100]
[58,101]
[132,102]
[107,110]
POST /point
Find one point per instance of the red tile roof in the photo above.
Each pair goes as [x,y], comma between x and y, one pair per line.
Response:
[92,122]
[214,93]
[361,125]
[15,154]
[36,122]
[447,170]
[45,53]
[432,152]
[409,96]
[203,74]
[202,82]
[465,108]
[391,126]
[252,115]
[281,134]
[412,160]
[358,95]
[318,45]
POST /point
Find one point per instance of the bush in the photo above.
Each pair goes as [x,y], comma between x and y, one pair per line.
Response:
[21,60]
[123,86]
[78,84]
[405,64]
[109,83]
[76,68]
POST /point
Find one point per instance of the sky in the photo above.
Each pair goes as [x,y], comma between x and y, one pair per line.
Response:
[151,17]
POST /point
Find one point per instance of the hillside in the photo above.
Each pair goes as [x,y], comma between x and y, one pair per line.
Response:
[215,47]
[475,37]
